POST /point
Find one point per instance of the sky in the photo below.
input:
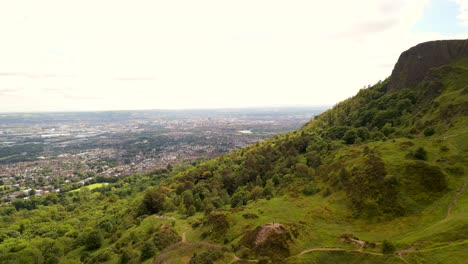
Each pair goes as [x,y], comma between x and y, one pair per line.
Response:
[62,55]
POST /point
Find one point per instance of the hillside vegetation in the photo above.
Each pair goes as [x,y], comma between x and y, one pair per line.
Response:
[379,178]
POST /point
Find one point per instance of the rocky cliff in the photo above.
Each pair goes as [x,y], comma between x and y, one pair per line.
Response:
[415,62]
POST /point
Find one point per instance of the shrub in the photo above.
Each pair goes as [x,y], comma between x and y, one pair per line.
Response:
[310,189]
[148,250]
[153,201]
[420,154]
[429,131]
[165,236]
[388,247]
[350,136]
[93,240]
[206,257]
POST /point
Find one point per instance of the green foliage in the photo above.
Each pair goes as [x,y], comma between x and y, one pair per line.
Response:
[420,154]
[219,224]
[430,178]
[153,201]
[116,223]
[239,198]
[165,236]
[429,131]
[350,136]
[92,240]
[371,193]
[310,189]
[148,250]
[207,257]
[128,256]
[191,210]
[388,247]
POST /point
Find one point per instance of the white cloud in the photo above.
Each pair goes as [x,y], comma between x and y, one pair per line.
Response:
[463,12]
[194,54]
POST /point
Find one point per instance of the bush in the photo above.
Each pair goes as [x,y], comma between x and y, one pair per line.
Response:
[206,257]
[165,236]
[420,154]
[191,210]
[93,240]
[388,247]
[350,136]
[129,256]
[148,250]
[310,189]
[429,131]
[153,202]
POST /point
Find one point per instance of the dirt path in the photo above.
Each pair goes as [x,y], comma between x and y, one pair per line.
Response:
[360,243]
[235,258]
[184,236]
[338,249]
[403,252]
[455,199]
[165,217]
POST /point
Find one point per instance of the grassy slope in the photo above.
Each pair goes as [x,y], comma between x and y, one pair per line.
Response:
[438,237]
[433,235]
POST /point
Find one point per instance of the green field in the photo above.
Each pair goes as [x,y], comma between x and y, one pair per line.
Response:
[91,186]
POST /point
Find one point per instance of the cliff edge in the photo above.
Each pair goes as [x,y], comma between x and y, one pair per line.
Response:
[414,63]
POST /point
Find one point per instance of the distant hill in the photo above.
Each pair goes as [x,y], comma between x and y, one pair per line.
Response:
[379,178]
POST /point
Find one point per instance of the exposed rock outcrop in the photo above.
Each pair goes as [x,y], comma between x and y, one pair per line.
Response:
[414,63]
[270,240]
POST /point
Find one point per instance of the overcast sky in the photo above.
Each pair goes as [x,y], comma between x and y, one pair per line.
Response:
[109,54]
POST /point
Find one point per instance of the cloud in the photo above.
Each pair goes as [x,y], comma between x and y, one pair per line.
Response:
[371,27]
[21,74]
[196,54]
[8,91]
[463,12]
[29,75]
[390,7]
[134,78]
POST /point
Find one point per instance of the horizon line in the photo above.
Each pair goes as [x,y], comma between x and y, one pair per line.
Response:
[169,109]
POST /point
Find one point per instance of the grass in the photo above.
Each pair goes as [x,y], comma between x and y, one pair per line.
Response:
[318,222]
[341,257]
[321,221]
[91,186]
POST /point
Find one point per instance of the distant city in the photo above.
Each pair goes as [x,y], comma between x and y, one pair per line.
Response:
[59,152]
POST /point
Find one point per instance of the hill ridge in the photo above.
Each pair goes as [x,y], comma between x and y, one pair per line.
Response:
[413,64]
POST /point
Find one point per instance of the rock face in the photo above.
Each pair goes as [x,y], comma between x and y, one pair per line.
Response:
[414,63]
[270,240]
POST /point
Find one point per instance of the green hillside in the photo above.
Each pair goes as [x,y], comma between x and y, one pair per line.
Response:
[379,178]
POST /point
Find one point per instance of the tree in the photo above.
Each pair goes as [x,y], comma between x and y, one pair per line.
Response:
[239,198]
[363,133]
[191,210]
[153,201]
[350,136]
[256,193]
[269,188]
[93,240]
[302,170]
